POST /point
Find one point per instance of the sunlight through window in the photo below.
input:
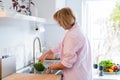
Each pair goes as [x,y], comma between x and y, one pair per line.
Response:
[96,20]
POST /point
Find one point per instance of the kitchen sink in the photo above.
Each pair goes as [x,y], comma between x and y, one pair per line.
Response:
[25,70]
[29,70]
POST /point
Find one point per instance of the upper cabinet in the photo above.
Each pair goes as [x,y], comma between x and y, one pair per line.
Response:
[46,8]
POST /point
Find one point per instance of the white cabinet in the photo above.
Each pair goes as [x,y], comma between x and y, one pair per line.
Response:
[7,66]
[46,8]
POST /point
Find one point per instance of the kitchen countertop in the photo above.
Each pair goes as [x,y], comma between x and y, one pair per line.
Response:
[19,76]
[107,77]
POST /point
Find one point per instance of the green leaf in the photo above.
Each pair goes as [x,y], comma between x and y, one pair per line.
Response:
[106,64]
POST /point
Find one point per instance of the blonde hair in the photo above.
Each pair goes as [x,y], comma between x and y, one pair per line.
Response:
[65,17]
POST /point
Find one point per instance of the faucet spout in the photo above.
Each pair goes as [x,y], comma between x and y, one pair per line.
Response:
[34,54]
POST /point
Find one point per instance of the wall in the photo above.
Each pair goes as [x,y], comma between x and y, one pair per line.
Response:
[16,38]
[54,33]
[43,11]
[46,8]
[52,36]
[76,6]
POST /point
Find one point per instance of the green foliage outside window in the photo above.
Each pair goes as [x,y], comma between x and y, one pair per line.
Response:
[115,17]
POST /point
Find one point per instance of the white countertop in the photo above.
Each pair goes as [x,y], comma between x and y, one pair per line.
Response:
[107,77]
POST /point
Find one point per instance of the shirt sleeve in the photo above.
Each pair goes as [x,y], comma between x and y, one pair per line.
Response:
[71,45]
[56,49]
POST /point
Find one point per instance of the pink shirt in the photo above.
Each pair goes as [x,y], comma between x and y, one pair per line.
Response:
[75,54]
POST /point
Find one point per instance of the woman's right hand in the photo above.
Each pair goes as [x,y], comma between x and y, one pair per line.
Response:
[44,55]
[42,58]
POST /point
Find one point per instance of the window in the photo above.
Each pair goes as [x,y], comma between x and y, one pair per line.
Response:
[104,40]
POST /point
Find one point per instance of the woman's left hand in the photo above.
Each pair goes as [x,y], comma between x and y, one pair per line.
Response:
[48,71]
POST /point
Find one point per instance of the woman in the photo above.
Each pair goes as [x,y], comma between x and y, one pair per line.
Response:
[75,55]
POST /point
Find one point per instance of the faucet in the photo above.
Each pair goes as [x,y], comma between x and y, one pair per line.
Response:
[34,55]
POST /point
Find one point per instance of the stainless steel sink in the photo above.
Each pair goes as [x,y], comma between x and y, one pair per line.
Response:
[25,70]
[29,70]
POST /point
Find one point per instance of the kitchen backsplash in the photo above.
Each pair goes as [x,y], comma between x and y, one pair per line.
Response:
[16,39]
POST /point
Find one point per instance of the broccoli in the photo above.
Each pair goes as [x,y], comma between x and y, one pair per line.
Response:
[39,66]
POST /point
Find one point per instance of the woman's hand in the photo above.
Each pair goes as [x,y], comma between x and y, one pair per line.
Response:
[44,55]
[48,71]
[42,58]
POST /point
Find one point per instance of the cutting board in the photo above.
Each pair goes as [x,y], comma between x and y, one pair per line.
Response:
[19,76]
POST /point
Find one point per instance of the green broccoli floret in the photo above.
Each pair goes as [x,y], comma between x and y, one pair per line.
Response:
[39,66]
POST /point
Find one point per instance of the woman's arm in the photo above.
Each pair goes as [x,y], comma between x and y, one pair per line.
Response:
[44,55]
[50,53]
[57,66]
